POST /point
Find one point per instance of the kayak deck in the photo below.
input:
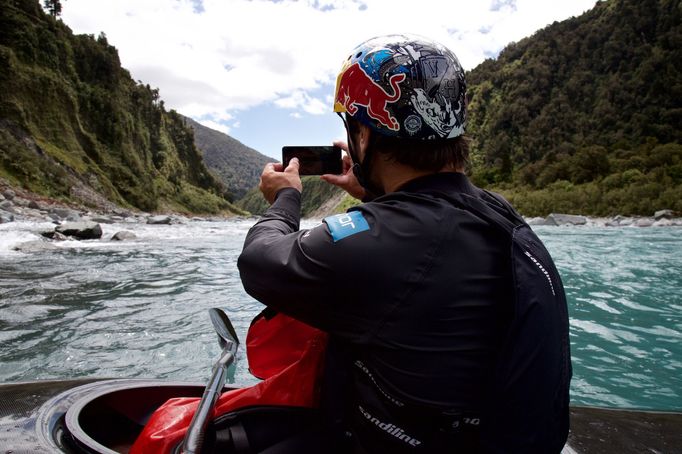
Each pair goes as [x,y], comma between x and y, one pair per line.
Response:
[25,427]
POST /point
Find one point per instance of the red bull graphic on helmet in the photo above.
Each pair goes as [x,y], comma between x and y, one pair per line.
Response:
[355,88]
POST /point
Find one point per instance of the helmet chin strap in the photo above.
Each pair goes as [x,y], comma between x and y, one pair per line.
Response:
[363,170]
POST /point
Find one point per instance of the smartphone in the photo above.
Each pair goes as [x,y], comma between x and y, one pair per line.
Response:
[314,160]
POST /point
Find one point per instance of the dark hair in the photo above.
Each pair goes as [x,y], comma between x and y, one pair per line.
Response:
[429,155]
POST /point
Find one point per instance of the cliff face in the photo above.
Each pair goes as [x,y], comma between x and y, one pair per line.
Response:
[71,117]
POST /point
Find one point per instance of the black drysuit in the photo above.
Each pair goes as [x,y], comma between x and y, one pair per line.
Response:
[416,294]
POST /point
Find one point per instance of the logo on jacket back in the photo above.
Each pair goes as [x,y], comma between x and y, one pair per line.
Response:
[355,88]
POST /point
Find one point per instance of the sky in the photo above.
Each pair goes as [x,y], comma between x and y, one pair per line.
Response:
[264,71]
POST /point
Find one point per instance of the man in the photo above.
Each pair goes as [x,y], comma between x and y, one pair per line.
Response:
[414,286]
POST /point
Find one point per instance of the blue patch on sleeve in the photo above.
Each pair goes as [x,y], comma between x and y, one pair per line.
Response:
[346,224]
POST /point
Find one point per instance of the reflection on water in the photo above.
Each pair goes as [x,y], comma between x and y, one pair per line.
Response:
[139,308]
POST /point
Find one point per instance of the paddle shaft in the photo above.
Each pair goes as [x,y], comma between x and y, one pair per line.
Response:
[197,429]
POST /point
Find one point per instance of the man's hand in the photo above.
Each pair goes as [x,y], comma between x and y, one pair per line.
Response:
[346,180]
[275,177]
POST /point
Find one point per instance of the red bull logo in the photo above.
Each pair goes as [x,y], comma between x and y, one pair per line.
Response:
[355,88]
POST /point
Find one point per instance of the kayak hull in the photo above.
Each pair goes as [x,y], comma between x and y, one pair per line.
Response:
[76,416]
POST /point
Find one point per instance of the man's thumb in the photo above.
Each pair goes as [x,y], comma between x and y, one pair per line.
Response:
[293,166]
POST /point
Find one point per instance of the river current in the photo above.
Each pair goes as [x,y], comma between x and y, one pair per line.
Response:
[139,308]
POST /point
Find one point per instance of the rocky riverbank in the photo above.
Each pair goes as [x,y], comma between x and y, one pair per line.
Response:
[76,222]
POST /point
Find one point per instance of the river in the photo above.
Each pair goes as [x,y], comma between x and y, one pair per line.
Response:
[139,308]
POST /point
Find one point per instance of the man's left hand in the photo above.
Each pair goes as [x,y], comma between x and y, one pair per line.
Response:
[275,178]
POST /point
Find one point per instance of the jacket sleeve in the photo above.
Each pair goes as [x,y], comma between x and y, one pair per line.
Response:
[301,273]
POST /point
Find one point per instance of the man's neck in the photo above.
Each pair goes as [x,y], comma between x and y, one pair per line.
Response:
[393,175]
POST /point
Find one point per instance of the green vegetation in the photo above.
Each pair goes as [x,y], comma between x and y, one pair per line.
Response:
[70,115]
[584,116]
[315,193]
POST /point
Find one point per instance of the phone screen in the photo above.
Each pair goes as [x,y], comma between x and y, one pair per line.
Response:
[314,160]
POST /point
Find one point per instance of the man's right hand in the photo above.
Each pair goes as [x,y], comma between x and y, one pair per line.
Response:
[346,180]
[275,178]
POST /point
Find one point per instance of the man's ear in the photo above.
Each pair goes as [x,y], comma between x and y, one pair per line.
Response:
[363,135]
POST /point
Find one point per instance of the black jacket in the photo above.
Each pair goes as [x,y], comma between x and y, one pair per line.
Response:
[417,289]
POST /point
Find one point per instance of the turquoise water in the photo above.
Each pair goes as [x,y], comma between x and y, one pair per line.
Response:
[138,309]
[624,288]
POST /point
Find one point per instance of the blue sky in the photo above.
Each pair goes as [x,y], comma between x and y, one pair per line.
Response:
[264,71]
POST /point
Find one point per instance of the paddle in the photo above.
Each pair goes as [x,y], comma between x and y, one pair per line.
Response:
[227,337]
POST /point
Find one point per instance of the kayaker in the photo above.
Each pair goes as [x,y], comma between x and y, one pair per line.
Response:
[416,292]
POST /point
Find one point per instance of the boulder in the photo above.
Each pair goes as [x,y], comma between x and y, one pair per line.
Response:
[102,219]
[123,235]
[6,217]
[61,212]
[74,217]
[54,235]
[35,205]
[538,221]
[663,214]
[159,220]
[2,197]
[562,219]
[644,222]
[35,246]
[81,230]
[18,201]
[663,222]
[9,194]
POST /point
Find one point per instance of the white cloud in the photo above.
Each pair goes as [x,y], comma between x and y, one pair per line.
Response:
[300,100]
[218,126]
[213,57]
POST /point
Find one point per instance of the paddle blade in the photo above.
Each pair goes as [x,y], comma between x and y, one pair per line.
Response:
[223,327]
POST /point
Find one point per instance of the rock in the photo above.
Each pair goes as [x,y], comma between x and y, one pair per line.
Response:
[54,235]
[2,197]
[159,220]
[661,214]
[123,235]
[61,212]
[20,202]
[74,217]
[35,205]
[538,221]
[81,230]
[663,222]
[35,246]
[644,222]
[102,219]
[54,216]
[6,204]
[6,217]
[9,194]
[562,219]
[619,221]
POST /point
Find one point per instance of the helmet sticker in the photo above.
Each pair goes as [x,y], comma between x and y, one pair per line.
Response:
[413,124]
[439,117]
[356,88]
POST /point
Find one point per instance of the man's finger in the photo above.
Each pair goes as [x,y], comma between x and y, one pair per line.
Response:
[269,168]
[341,144]
[293,166]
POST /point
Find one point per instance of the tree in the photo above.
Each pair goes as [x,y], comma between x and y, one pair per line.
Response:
[54,7]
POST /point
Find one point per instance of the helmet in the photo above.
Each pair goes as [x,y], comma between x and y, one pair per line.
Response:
[404,86]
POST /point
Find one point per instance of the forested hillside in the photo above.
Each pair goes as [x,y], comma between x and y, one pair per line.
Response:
[584,116]
[75,126]
[237,166]
[315,194]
